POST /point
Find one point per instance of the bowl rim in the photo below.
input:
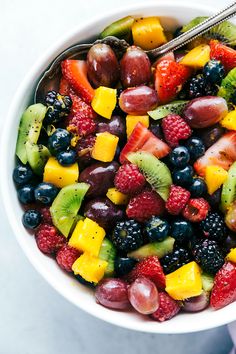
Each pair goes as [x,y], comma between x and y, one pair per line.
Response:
[4,177]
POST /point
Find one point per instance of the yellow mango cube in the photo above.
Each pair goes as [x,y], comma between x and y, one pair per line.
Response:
[185,282]
[231,256]
[105,147]
[197,57]
[59,175]
[87,237]
[117,197]
[148,33]
[90,268]
[215,176]
[132,121]
[229,121]
[104,101]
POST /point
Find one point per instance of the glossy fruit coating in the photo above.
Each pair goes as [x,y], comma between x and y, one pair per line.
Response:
[115,126]
[112,293]
[214,71]
[67,157]
[196,303]
[157,229]
[135,67]
[210,135]
[179,156]
[203,112]
[103,66]
[100,176]
[22,174]
[45,193]
[138,100]
[123,265]
[183,177]
[195,147]
[181,230]
[198,188]
[59,141]
[31,219]
[26,194]
[143,296]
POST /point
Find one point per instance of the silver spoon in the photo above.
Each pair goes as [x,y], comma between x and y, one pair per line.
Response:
[50,78]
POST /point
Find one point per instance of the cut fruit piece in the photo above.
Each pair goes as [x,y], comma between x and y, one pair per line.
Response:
[207,282]
[185,282]
[105,146]
[226,55]
[66,205]
[132,121]
[197,57]
[117,197]
[194,22]
[215,176]
[222,154]
[104,101]
[119,29]
[155,172]
[228,85]
[87,237]
[29,129]
[176,107]
[231,256]
[159,249]
[148,33]
[229,121]
[108,253]
[90,268]
[37,156]
[228,194]
[59,175]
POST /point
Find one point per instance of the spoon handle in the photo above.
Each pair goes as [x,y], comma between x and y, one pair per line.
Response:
[188,36]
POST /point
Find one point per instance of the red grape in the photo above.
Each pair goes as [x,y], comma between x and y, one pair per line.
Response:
[138,100]
[196,303]
[115,126]
[112,293]
[143,296]
[210,135]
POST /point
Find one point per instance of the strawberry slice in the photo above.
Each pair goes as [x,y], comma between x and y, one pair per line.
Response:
[64,87]
[169,79]
[75,72]
[169,56]
[81,108]
[142,139]
[222,153]
[224,289]
[226,55]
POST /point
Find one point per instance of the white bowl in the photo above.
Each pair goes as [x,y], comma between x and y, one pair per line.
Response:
[172,15]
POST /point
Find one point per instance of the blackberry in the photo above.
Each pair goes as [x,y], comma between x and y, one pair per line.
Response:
[175,260]
[213,227]
[58,107]
[208,254]
[198,87]
[127,235]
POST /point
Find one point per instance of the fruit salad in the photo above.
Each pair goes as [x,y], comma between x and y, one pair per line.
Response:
[126,172]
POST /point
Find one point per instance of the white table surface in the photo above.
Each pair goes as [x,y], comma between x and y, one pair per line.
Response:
[34,319]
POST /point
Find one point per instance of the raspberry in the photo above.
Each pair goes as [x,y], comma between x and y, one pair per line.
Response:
[46,215]
[66,256]
[84,149]
[48,239]
[167,309]
[177,200]
[196,210]
[81,126]
[129,180]
[144,205]
[175,128]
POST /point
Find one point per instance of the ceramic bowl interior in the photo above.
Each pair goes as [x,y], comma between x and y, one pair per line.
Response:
[172,15]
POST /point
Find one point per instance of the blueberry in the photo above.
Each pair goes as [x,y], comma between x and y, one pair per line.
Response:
[214,71]
[181,230]
[66,158]
[183,177]
[195,147]
[31,219]
[59,141]
[22,174]
[83,281]
[198,188]
[179,156]
[214,199]
[123,265]
[45,193]
[26,194]
[157,229]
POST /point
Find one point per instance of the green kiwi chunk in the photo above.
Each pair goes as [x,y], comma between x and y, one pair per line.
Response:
[29,129]
[228,85]
[37,156]
[120,28]
[108,253]
[66,205]
[159,249]
[194,22]
[155,172]
[175,107]
[228,194]
[207,282]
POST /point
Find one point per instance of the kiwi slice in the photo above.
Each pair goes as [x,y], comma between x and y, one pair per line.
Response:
[159,249]
[120,28]
[176,107]
[228,85]
[207,281]
[66,205]
[225,32]
[228,194]
[37,156]
[155,172]
[29,129]
[108,253]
